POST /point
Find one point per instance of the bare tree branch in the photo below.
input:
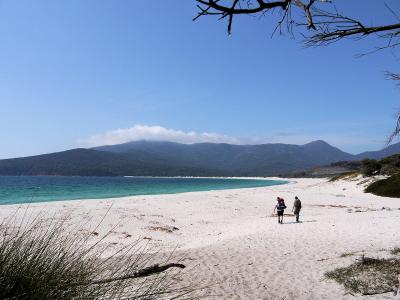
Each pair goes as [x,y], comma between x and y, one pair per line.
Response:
[334,27]
[328,26]
[396,131]
[324,26]
[212,7]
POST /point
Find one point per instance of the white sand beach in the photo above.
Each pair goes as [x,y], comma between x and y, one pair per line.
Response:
[229,240]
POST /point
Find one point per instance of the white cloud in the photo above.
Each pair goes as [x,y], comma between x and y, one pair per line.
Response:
[350,141]
[154,133]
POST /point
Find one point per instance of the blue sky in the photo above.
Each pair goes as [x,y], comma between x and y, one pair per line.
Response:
[81,73]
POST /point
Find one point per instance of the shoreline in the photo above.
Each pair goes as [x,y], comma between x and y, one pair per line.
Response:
[280,181]
[228,238]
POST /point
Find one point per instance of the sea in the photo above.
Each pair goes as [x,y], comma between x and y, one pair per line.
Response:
[32,189]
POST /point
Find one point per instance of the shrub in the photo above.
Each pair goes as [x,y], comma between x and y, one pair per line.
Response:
[390,165]
[370,167]
[391,160]
[389,187]
[395,251]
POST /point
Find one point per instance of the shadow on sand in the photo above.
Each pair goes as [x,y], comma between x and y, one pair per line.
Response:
[311,221]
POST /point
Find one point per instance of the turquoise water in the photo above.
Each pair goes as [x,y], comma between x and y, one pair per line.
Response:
[29,189]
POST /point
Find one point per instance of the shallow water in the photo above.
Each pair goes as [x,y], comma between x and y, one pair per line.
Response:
[29,189]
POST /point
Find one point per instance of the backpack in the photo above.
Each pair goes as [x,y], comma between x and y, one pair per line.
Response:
[281,204]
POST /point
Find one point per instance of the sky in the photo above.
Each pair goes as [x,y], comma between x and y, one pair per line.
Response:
[86,73]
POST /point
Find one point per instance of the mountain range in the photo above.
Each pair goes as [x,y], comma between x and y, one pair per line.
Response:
[158,158]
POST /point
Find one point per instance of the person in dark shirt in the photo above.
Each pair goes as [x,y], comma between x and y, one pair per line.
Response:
[296,208]
[280,208]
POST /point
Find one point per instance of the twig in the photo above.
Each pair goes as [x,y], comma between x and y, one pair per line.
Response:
[142,273]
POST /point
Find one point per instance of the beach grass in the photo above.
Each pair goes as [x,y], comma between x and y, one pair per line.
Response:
[346,175]
[395,251]
[347,254]
[40,259]
[368,276]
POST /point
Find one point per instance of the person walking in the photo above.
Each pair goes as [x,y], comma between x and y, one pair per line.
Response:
[296,208]
[280,208]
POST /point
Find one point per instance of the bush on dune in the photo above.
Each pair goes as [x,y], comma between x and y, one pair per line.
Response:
[42,261]
[390,165]
[389,187]
[370,167]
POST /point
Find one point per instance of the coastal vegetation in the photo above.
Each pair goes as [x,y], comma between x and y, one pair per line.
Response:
[389,187]
[388,166]
[346,175]
[40,260]
[346,254]
[395,251]
[368,276]
[370,167]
